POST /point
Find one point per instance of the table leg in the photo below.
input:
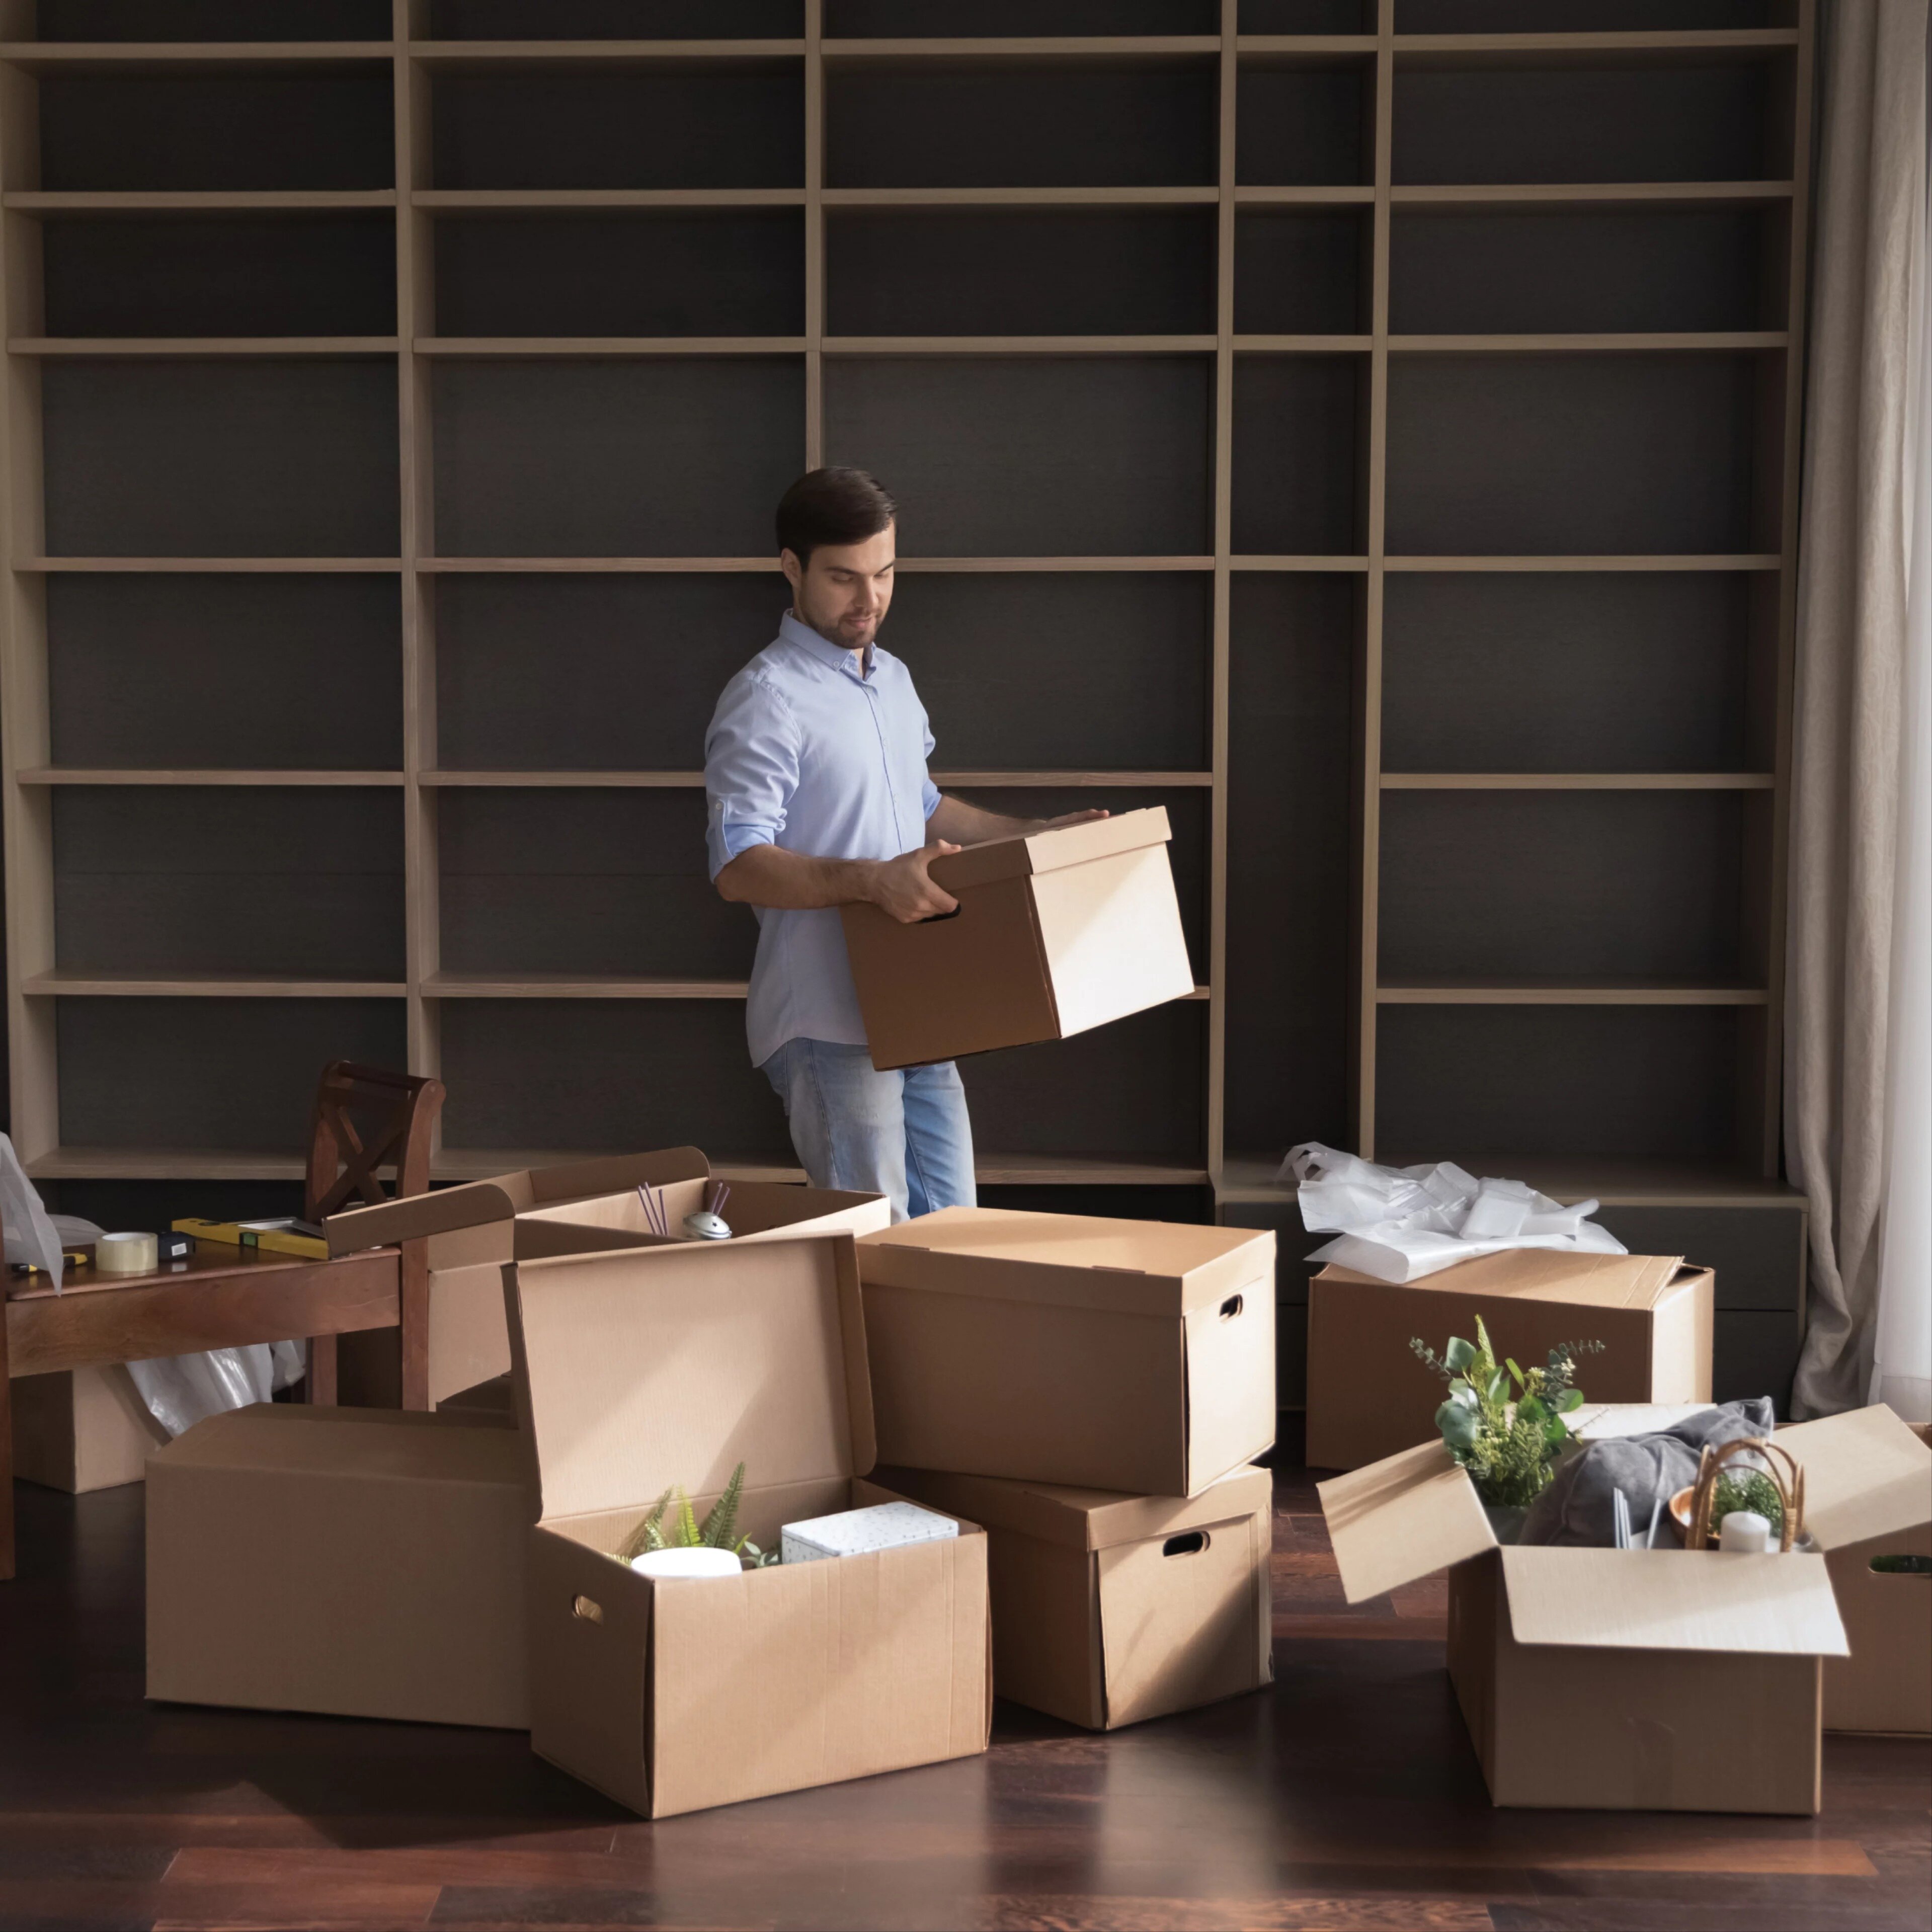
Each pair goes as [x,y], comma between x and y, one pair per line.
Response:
[321,1388]
[6,1448]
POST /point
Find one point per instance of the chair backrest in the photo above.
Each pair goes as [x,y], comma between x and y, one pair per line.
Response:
[366,1117]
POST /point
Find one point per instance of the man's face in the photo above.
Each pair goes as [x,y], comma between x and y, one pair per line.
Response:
[844,592]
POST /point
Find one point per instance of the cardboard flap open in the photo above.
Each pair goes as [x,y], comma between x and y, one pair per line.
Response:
[1401,1518]
[578,1179]
[1772,1605]
[1077,1261]
[445,1212]
[1048,851]
[671,1364]
[1549,1274]
[1866,1473]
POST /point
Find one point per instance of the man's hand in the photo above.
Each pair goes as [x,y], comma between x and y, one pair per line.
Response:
[901,887]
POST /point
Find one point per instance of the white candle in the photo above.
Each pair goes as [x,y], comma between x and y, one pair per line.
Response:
[689,1562]
[1745,1532]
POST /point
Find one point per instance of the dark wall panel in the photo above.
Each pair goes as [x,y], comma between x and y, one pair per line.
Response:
[1100,670]
[616,20]
[1591,455]
[1452,1082]
[1087,272]
[1027,456]
[718,272]
[1516,671]
[1303,126]
[1291,757]
[683,458]
[569,673]
[214,20]
[1139,124]
[739,124]
[139,274]
[1567,885]
[210,1073]
[607,1075]
[197,672]
[298,882]
[197,130]
[538,880]
[913,19]
[1298,423]
[1300,273]
[1134,1089]
[220,459]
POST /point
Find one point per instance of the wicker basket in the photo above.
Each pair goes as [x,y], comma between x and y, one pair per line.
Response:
[1691,1508]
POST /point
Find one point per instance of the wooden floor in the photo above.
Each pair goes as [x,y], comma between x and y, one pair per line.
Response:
[1348,1799]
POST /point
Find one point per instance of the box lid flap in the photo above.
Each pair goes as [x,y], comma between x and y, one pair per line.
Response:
[447,1210]
[670,1363]
[1081,1518]
[1547,1274]
[1406,1516]
[1777,1605]
[1142,1268]
[1866,1473]
[372,1444]
[1017,858]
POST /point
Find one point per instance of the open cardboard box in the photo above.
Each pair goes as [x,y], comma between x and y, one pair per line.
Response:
[1663,1680]
[468,1229]
[1136,1356]
[1057,931]
[1109,1609]
[671,1364]
[1369,1395]
[1862,1503]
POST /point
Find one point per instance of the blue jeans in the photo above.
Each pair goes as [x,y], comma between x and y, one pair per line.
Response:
[904,1134]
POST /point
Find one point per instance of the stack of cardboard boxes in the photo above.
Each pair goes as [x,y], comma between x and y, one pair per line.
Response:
[1083,1397]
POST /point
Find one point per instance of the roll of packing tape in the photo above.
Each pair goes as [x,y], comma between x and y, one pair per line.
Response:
[126,1254]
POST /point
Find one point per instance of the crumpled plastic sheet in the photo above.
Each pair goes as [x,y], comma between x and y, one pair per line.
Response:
[181,1390]
[1401,1223]
[31,1234]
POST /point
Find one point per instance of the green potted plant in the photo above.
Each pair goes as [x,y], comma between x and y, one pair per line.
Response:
[684,1531]
[1503,1425]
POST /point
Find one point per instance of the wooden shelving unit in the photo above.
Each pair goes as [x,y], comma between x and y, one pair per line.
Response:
[1375,441]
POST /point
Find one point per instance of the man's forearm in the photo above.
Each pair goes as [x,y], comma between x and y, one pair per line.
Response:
[966,824]
[763,875]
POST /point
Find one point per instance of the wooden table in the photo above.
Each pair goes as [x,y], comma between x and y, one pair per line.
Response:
[218,1297]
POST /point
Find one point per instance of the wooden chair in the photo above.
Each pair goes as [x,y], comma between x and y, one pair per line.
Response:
[366,1118]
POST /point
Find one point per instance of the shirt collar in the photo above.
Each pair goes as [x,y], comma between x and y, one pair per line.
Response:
[836,655]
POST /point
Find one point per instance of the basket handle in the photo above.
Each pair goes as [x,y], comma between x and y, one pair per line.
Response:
[1789,1480]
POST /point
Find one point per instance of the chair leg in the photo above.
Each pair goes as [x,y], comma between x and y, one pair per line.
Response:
[321,1387]
[413,1311]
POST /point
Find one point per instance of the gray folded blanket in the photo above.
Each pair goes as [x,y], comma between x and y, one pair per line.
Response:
[1575,1507]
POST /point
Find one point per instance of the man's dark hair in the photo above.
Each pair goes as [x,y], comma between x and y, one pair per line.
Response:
[832,506]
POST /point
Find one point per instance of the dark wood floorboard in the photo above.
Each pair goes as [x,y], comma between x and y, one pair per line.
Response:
[1347,1800]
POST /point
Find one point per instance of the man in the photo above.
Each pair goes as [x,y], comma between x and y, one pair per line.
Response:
[815,777]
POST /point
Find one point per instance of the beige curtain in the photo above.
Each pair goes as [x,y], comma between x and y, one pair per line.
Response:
[1865,463]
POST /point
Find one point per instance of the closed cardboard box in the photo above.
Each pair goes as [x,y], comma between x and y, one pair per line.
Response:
[78,1429]
[468,1231]
[671,1364]
[1128,1355]
[367,1563]
[1369,1395]
[1108,1609]
[1056,932]
[1868,1497]
[1646,1680]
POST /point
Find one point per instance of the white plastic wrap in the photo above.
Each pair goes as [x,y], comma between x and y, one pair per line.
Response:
[31,1235]
[1400,1223]
[181,1390]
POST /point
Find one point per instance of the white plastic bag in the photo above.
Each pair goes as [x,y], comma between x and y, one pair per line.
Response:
[181,1390]
[1400,1223]
[31,1235]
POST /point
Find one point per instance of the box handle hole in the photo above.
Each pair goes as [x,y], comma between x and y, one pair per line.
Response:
[940,918]
[590,1612]
[1231,1308]
[1903,1565]
[1192,1544]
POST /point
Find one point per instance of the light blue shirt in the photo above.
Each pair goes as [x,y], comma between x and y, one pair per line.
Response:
[805,754]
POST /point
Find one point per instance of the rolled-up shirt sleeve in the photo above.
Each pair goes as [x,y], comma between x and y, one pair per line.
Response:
[751,770]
